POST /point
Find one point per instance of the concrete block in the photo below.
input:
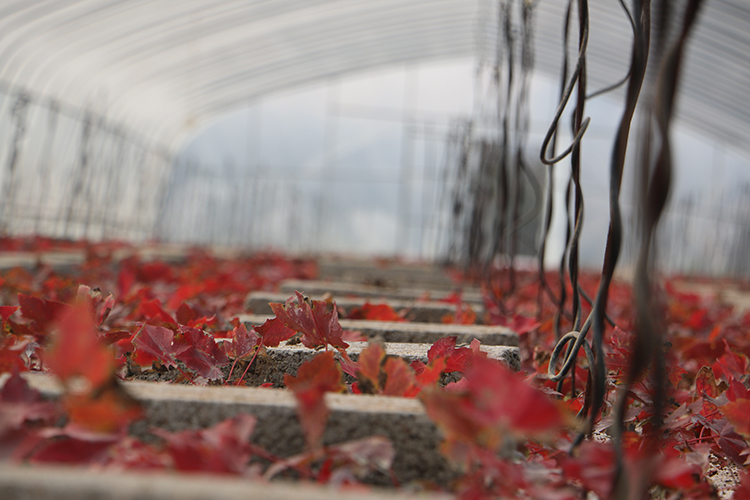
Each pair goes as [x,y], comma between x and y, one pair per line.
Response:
[381,273]
[70,483]
[421,312]
[345,289]
[271,366]
[177,407]
[419,333]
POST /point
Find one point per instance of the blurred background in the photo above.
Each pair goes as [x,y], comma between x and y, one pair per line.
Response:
[349,126]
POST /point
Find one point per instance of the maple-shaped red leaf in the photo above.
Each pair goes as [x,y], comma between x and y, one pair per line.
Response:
[76,349]
[314,378]
[205,357]
[705,383]
[273,332]
[106,411]
[374,312]
[311,318]
[518,323]
[183,293]
[464,315]
[737,390]
[19,404]
[743,489]
[132,454]
[7,311]
[738,414]
[593,465]
[153,343]
[400,380]
[243,342]
[224,448]
[10,356]
[100,306]
[41,312]
[429,375]
[456,358]
[368,368]
[65,449]
[492,398]
[674,472]
[151,310]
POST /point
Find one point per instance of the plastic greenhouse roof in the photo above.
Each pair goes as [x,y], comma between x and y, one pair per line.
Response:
[164,67]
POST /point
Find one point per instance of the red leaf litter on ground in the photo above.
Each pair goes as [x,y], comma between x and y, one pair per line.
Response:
[374,312]
[156,343]
[490,401]
[314,378]
[273,332]
[76,349]
[222,449]
[40,312]
[318,326]
[204,356]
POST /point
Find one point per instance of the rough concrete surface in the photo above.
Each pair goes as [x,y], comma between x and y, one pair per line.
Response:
[420,333]
[420,312]
[384,273]
[178,407]
[346,289]
[68,483]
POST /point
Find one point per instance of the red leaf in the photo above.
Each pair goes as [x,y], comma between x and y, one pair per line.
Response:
[430,375]
[243,342]
[314,378]
[10,356]
[368,368]
[41,312]
[76,349]
[7,311]
[492,398]
[374,312]
[273,332]
[224,448]
[400,380]
[738,414]
[594,467]
[71,450]
[100,306]
[457,358]
[152,310]
[519,324]
[204,357]
[156,343]
[705,383]
[318,326]
[105,411]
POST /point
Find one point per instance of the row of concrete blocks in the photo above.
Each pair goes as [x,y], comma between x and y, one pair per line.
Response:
[178,407]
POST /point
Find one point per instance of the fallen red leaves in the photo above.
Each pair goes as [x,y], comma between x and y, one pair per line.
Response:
[181,316]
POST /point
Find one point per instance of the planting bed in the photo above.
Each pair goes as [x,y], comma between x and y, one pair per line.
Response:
[428,406]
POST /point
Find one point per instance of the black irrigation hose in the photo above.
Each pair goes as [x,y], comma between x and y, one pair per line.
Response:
[624,80]
[560,303]
[647,342]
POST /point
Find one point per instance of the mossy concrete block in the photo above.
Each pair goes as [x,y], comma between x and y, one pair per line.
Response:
[69,483]
[418,333]
[345,289]
[421,312]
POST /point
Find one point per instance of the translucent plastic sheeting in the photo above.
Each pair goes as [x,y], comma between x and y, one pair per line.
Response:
[164,67]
